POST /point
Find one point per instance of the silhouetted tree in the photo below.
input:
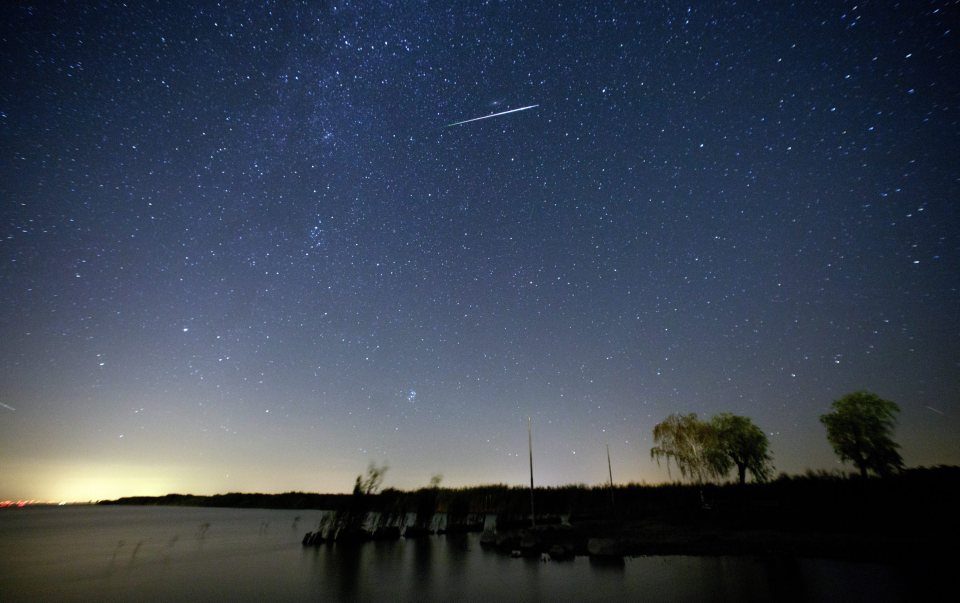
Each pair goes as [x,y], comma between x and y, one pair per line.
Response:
[373,480]
[348,524]
[860,429]
[744,444]
[691,444]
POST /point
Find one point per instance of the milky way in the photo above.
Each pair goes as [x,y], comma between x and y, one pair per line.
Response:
[242,252]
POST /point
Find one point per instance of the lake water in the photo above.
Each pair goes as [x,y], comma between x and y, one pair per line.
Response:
[200,554]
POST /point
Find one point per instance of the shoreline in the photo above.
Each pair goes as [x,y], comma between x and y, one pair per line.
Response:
[654,538]
[910,515]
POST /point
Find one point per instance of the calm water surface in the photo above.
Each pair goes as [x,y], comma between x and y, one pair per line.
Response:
[167,554]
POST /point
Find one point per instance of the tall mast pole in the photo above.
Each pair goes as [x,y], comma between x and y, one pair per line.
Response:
[533,517]
[610,471]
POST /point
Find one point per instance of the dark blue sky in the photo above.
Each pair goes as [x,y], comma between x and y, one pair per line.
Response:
[241,250]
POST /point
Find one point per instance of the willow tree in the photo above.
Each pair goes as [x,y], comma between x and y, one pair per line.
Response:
[690,444]
[860,429]
[744,444]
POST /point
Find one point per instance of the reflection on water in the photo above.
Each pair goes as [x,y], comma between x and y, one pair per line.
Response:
[149,553]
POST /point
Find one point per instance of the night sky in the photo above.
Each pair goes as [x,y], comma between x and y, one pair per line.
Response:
[244,250]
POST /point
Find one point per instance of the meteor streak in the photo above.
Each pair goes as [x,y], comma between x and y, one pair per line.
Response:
[466,121]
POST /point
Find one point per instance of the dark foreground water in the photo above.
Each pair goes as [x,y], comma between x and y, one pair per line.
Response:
[191,554]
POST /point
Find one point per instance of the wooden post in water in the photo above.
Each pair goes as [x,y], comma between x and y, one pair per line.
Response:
[610,471]
[533,517]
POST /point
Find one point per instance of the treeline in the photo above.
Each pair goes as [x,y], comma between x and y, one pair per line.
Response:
[920,498]
[287,500]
